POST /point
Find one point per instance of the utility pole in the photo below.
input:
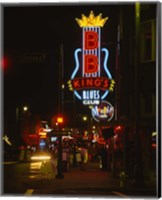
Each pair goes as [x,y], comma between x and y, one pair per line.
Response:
[138,173]
[60,122]
[62,77]
[60,82]
[59,174]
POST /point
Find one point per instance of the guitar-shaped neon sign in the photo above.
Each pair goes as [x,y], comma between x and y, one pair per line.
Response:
[91,80]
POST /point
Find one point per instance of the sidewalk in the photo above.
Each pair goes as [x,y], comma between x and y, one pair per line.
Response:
[91,177]
[92,181]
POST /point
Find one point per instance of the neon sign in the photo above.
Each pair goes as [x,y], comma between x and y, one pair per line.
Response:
[103,112]
[91,80]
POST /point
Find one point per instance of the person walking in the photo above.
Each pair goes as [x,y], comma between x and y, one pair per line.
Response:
[84,156]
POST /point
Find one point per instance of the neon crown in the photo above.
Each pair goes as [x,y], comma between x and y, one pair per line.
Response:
[91,20]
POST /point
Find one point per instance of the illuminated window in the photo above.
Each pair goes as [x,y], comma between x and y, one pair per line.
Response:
[148,41]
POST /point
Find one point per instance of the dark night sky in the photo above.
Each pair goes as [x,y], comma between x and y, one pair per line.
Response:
[41,29]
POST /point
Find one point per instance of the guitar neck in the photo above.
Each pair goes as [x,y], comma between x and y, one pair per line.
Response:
[91,51]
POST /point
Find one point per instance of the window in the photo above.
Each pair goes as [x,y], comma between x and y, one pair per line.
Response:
[148,104]
[148,41]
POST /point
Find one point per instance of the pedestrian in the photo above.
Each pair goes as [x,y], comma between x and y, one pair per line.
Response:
[79,158]
[54,162]
[84,156]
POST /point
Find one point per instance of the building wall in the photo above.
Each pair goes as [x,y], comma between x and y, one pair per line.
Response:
[146,80]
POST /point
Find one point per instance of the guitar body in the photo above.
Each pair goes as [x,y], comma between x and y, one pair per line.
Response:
[104,73]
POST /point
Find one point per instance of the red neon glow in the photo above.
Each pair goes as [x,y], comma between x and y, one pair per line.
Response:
[30,139]
[153,145]
[119,129]
[91,64]
[101,83]
[91,40]
[34,136]
[4,63]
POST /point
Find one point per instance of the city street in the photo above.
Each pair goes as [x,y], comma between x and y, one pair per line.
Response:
[38,178]
[80,96]
[20,176]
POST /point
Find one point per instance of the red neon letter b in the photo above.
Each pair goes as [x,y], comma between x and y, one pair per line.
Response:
[91,40]
[91,64]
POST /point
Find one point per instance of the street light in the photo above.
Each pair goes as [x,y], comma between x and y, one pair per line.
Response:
[63,86]
[25,108]
[84,118]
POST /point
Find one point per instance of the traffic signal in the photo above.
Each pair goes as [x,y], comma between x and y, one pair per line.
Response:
[60,120]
